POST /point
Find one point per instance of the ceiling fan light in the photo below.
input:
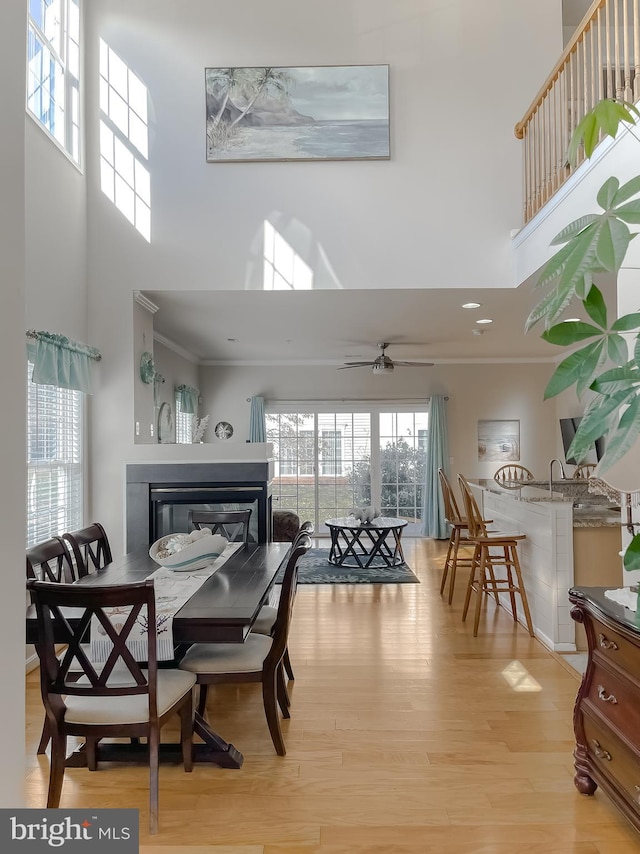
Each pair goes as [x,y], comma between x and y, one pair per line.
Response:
[381,368]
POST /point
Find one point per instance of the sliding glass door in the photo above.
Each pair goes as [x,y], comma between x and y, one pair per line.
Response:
[328,463]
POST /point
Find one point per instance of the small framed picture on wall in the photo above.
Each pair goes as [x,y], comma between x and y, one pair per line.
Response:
[499,441]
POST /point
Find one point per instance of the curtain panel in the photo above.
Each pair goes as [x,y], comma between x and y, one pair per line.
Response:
[434,523]
[257,423]
[59,361]
[188,397]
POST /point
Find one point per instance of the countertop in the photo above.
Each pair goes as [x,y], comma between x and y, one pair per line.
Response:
[596,514]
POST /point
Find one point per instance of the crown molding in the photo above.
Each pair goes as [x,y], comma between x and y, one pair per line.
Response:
[171,345]
[145,302]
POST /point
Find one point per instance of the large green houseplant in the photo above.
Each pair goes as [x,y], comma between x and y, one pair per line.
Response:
[593,245]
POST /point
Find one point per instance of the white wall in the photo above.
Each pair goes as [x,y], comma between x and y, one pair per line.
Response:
[461,73]
[176,371]
[12,346]
[476,392]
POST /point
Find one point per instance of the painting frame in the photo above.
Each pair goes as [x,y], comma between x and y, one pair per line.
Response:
[499,440]
[297,113]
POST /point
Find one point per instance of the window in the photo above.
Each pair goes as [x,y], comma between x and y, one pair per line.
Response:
[54,461]
[331,452]
[53,70]
[184,424]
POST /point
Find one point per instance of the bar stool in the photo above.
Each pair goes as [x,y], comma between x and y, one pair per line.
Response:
[459,534]
[482,578]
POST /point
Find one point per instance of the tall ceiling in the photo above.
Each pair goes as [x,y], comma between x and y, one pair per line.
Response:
[333,326]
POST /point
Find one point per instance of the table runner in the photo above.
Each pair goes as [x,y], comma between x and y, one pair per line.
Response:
[172,590]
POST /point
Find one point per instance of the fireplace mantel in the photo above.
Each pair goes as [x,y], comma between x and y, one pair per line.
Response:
[141,478]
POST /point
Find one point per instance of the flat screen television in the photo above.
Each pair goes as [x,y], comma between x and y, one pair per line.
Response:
[568,427]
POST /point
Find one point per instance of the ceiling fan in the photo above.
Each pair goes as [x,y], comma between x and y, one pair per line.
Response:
[384,364]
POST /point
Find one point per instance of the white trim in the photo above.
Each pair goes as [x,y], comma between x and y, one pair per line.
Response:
[171,345]
[145,302]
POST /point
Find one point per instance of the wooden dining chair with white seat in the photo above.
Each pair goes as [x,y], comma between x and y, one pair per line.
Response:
[258,659]
[232,524]
[90,548]
[482,578]
[458,536]
[118,698]
[584,471]
[266,619]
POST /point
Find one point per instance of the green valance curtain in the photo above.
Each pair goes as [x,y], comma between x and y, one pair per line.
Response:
[61,362]
[188,397]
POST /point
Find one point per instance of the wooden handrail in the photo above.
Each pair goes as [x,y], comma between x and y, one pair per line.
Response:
[551,79]
[602,60]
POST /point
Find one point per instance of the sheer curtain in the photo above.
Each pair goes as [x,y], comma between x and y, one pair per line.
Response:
[257,425]
[434,524]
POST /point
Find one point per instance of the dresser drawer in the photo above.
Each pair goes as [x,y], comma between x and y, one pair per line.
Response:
[616,699]
[613,757]
[613,647]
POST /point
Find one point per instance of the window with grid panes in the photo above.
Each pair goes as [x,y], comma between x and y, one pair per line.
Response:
[53,70]
[54,461]
[184,424]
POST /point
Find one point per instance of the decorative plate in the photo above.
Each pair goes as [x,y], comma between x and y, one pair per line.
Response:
[223,430]
[166,432]
[147,368]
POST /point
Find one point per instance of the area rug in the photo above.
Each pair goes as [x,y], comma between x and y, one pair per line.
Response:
[314,568]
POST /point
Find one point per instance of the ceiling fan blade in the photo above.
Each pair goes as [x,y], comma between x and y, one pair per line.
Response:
[413,364]
[356,365]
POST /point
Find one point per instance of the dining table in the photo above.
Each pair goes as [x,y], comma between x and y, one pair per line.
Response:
[221,610]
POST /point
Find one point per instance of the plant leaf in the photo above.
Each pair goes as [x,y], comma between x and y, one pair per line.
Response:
[568,371]
[629,212]
[570,332]
[616,379]
[607,192]
[596,307]
[617,349]
[623,437]
[574,228]
[626,191]
[613,242]
[631,558]
[626,323]
[590,365]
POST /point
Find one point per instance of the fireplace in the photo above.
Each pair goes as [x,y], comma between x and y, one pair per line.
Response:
[160,495]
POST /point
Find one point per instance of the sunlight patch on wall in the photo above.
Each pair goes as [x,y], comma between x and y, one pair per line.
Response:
[284,269]
[124,141]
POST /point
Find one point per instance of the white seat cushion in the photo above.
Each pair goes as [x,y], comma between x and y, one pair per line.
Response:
[172,685]
[246,657]
[265,620]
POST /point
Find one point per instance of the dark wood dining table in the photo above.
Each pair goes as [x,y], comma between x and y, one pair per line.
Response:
[222,610]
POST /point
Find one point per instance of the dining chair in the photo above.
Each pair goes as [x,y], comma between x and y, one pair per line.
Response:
[90,548]
[266,618]
[584,471]
[116,699]
[513,476]
[258,659]
[49,561]
[223,522]
[482,577]
[458,536]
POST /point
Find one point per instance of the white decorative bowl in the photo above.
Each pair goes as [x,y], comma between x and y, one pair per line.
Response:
[197,554]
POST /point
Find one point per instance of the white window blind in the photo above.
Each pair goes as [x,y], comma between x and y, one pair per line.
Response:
[184,424]
[54,461]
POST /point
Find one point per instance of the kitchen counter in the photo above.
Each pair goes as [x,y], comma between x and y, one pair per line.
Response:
[559,536]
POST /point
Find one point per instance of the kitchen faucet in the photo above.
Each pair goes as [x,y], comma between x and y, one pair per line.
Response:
[562,474]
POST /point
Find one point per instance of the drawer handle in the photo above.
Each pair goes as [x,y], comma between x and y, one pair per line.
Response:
[599,752]
[605,643]
[605,696]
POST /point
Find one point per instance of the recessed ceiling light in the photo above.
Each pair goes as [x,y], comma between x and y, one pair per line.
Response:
[571,320]
[485,320]
[471,305]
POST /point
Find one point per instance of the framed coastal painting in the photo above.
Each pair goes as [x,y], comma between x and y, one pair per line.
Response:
[499,441]
[327,112]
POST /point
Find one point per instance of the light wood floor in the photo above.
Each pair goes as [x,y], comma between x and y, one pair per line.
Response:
[407,734]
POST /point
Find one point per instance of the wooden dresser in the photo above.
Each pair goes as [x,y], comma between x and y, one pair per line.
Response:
[606,717]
